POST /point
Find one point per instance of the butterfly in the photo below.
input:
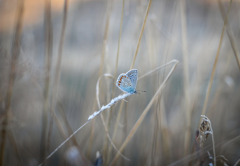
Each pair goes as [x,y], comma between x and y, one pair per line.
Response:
[128,82]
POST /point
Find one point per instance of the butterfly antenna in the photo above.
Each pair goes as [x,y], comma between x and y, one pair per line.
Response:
[141,90]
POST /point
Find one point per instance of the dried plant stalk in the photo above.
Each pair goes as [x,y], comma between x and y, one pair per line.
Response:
[57,71]
[204,130]
[215,62]
[115,75]
[109,10]
[15,54]
[229,33]
[141,33]
[139,121]
[186,75]
[44,145]
[113,101]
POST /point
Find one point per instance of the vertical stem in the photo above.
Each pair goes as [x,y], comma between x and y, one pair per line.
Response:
[214,154]
[105,36]
[15,146]
[57,72]
[109,9]
[114,79]
[230,34]
[48,58]
[140,119]
[155,135]
[186,75]
[141,33]
[135,55]
[215,63]
[15,54]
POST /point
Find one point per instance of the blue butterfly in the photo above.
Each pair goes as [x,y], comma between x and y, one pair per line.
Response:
[128,82]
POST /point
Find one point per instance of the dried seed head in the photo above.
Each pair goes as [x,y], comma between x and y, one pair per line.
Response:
[204,130]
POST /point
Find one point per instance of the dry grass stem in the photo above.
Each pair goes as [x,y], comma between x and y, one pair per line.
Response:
[141,33]
[215,63]
[113,101]
[57,72]
[14,143]
[135,55]
[45,135]
[115,74]
[205,129]
[14,60]
[63,143]
[186,75]
[156,69]
[102,118]
[139,121]
[56,78]
[230,33]
[106,31]
[58,123]
[59,105]
[109,9]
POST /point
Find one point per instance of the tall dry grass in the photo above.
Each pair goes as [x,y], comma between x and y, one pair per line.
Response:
[59,64]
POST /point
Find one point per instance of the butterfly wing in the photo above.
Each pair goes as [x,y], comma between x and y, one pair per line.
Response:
[133,76]
[124,83]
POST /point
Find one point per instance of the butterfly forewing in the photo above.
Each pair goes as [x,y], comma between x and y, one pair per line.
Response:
[124,83]
[133,76]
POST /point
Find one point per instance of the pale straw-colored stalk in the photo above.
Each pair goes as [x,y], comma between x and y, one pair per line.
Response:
[44,144]
[229,33]
[111,103]
[91,117]
[139,121]
[14,143]
[135,55]
[185,75]
[14,59]
[57,71]
[115,76]
[150,72]
[215,63]
[108,14]
[141,33]
[102,118]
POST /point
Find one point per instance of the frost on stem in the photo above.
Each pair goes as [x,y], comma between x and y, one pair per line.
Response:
[204,130]
[113,101]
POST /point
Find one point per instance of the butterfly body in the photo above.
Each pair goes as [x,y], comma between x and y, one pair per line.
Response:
[128,82]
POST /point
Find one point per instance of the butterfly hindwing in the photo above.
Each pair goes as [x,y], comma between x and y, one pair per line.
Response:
[124,83]
[133,76]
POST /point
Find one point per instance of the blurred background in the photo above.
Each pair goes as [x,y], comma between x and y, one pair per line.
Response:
[52,53]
